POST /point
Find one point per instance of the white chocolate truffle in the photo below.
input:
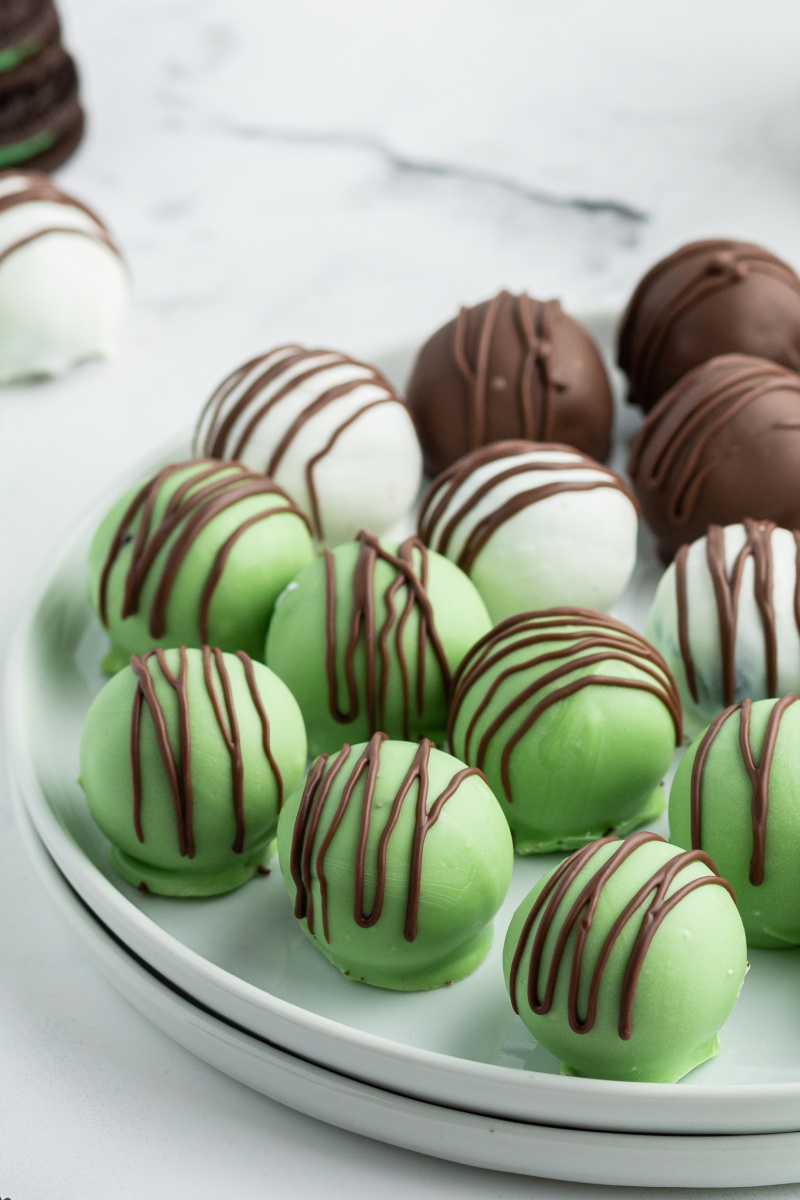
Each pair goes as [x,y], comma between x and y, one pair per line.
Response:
[726,618]
[534,525]
[63,283]
[330,430]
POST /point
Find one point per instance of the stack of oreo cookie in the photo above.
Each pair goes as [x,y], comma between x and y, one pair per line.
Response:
[41,120]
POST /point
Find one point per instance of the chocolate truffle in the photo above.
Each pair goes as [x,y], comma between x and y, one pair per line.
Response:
[186,757]
[726,619]
[722,445]
[368,638]
[627,959]
[534,526]
[397,858]
[573,718]
[196,555]
[511,367]
[41,120]
[63,283]
[736,795]
[708,298]
[329,429]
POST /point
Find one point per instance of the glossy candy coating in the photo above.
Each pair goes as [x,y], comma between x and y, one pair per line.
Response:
[186,759]
[368,638]
[534,525]
[726,617]
[736,795]
[510,367]
[627,959]
[329,429]
[197,555]
[396,857]
[708,298]
[573,718]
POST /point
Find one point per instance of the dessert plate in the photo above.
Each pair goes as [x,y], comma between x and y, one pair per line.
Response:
[583,1156]
[244,957]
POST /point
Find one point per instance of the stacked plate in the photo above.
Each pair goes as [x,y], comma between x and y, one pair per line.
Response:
[451,1072]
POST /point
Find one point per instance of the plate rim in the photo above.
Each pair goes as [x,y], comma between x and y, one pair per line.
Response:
[482,1140]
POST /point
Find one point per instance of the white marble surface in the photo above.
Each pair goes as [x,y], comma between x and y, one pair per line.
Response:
[344,174]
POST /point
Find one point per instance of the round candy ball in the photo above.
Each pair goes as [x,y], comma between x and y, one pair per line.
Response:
[534,526]
[725,618]
[397,858]
[186,758]
[722,445]
[573,718]
[511,367]
[63,283]
[626,960]
[736,795]
[368,638]
[708,298]
[196,555]
[329,429]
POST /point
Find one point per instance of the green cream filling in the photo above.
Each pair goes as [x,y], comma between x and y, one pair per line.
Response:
[29,148]
[14,55]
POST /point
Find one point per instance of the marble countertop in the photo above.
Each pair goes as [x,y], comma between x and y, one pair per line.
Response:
[342,174]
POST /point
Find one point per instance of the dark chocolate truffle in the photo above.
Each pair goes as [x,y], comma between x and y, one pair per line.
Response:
[510,367]
[722,445]
[708,298]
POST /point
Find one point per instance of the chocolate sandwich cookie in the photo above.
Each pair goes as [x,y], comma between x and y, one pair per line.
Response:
[41,120]
[26,28]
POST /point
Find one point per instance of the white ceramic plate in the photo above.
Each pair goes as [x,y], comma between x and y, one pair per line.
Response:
[243,956]
[582,1156]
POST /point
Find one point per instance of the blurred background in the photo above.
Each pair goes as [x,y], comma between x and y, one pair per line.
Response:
[352,171]
[349,174]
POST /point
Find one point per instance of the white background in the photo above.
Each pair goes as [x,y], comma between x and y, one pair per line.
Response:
[345,173]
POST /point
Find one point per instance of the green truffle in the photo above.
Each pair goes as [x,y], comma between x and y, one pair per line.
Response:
[573,718]
[626,960]
[198,555]
[397,858]
[368,637]
[186,756]
[736,794]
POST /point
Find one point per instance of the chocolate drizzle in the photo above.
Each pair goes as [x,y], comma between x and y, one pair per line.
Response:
[178,762]
[510,367]
[39,189]
[719,446]
[758,547]
[305,865]
[580,918]
[757,774]
[437,525]
[381,642]
[673,289]
[676,466]
[588,638]
[219,433]
[209,490]
[535,321]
